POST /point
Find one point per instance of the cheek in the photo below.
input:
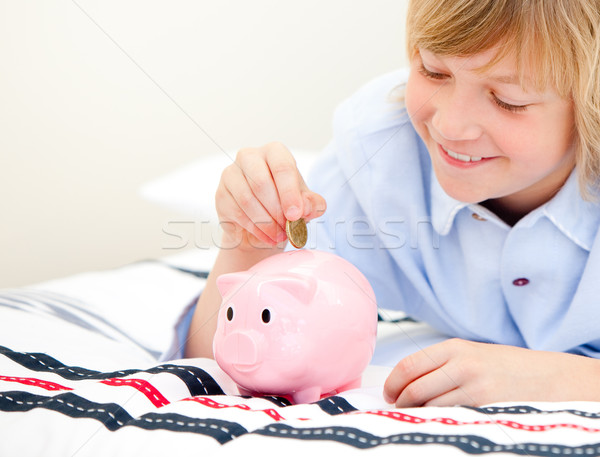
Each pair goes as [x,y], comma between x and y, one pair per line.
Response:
[411,95]
[417,102]
[536,143]
[561,133]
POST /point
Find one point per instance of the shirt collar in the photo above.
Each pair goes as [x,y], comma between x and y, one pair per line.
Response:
[443,207]
[576,218]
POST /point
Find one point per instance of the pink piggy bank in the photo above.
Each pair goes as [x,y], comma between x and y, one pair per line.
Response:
[301,323]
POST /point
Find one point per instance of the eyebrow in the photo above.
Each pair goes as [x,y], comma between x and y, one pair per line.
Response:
[512,78]
[506,79]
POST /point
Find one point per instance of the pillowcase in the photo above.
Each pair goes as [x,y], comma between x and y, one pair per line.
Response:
[190,190]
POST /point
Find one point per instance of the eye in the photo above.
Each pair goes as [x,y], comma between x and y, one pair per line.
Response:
[266,316]
[229,313]
[430,74]
[508,106]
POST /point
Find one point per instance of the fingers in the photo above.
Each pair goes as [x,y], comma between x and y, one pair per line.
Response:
[429,375]
[458,396]
[315,205]
[410,369]
[296,199]
[432,388]
[238,207]
[263,189]
[288,182]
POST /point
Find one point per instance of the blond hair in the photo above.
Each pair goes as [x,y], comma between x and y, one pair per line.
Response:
[555,41]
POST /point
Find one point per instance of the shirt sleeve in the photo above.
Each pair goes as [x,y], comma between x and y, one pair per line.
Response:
[179,334]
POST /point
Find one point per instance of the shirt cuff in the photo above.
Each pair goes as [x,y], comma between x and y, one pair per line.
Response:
[179,334]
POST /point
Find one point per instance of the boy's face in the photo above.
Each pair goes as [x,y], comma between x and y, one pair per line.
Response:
[523,138]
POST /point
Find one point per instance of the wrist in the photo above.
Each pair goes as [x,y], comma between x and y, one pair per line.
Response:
[244,243]
[240,252]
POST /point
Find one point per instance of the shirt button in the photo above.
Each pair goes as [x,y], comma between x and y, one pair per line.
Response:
[521,282]
[477,217]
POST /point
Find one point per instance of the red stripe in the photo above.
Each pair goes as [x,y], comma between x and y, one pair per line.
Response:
[447,421]
[151,392]
[35,382]
[213,404]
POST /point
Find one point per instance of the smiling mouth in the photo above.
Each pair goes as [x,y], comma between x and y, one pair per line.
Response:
[461,157]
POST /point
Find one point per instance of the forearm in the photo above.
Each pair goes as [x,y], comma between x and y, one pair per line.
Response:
[204,321]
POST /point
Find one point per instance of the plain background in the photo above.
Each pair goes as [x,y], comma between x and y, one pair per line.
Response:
[99,97]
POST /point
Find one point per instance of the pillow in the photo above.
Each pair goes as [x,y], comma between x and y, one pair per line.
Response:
[190,190]
[144,300]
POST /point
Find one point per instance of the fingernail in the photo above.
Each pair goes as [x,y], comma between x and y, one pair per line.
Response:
[293,213]
[387,398]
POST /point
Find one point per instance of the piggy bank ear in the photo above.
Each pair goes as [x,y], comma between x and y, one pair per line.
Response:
[231,281]
[301,287]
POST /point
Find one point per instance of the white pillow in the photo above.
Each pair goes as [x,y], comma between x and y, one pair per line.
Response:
[144,300]
[190,190]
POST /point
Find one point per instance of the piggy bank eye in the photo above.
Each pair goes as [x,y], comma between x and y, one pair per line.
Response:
[266,316]
[229,313]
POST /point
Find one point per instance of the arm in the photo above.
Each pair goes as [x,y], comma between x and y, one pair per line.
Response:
[204,321]
[459,372]
[256,194]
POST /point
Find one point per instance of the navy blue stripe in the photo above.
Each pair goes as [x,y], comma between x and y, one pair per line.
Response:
[276,400]
[220,430]
[524,409]
[111,415]
[470,444]
[335,405]
[198,381]
[114,417]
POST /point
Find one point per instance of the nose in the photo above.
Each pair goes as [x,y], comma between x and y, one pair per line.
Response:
[455,119]
[240,348]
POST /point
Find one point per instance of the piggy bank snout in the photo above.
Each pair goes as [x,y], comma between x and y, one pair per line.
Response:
[241,348]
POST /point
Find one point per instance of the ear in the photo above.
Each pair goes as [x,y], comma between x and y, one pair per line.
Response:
[301,287]
[229,281]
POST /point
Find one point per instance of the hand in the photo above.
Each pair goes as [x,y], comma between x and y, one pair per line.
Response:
[258,192]
[459,372]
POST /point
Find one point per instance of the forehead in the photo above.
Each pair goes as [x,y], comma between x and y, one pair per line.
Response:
[489,65]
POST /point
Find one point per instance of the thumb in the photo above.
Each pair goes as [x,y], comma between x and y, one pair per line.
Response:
[314,205]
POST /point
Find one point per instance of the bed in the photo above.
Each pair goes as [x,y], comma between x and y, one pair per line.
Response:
[80,375]
[89,367]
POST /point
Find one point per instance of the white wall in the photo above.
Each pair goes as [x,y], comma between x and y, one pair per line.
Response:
[99,97]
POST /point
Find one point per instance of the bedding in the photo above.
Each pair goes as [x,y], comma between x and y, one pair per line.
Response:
[80,375]
[179,189]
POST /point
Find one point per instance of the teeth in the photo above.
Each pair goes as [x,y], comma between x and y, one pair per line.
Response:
[462,157]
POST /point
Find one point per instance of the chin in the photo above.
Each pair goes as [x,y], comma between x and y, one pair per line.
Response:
[463,194]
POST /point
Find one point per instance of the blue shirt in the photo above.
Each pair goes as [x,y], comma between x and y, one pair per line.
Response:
[454,265]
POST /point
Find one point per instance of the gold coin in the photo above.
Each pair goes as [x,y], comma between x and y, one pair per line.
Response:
[296,232]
